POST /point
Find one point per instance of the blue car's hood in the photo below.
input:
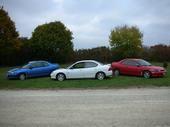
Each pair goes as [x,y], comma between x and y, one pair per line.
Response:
[17,69]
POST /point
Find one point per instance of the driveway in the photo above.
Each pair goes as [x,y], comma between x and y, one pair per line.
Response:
[85,108]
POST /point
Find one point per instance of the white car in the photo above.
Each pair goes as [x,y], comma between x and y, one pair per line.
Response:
[83,69]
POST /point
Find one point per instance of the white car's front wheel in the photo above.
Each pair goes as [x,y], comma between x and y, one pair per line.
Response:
[60,77]
[100,75]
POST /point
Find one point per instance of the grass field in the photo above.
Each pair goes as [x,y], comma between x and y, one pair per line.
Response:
[114,82]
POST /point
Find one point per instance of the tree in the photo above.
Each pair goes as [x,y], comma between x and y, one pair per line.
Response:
[126,41]
[9,43]
[52,41]
[25,52]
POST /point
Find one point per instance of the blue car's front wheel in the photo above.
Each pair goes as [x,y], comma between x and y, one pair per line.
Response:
[22,76]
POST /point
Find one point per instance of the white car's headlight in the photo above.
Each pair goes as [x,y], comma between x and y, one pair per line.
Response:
[52,73]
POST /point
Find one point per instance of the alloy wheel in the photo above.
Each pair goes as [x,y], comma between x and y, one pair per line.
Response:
[100,76]
[116,72]
[60,77]
[146,74]
[22,77]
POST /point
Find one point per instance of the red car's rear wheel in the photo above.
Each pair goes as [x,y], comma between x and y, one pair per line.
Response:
[116,72]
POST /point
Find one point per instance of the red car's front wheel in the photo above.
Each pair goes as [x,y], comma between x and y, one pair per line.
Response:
[146,74]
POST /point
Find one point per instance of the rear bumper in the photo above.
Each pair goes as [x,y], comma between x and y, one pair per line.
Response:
[109,74]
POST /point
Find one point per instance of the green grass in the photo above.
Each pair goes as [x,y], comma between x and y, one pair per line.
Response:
[114,82]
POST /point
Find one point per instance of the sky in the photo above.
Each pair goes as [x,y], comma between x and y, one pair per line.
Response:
[91,21]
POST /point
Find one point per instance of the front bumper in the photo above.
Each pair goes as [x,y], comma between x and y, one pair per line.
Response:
[158,74]
[53,76]
[11,76]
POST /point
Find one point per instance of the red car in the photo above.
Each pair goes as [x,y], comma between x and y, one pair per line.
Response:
[137,67]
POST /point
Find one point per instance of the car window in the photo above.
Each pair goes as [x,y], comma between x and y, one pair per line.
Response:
[78,65]
[26,66]
[143,62]
[90,64]
[130,62]
[36,64]
[44,64]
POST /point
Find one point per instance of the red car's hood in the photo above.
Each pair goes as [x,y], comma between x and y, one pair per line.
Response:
[154,67]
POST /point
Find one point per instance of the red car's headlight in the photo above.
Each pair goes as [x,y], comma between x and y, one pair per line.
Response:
[154,70]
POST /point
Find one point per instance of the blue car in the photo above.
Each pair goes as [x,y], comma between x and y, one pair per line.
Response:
[32,69]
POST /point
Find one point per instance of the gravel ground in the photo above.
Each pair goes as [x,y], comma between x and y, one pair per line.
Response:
[145,107]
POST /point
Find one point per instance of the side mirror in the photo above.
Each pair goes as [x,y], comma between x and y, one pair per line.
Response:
[138,65]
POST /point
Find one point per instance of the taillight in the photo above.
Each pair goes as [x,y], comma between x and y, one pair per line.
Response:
[110,69]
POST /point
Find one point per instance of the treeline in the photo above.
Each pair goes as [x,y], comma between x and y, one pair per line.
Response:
[102,54]
[157,53]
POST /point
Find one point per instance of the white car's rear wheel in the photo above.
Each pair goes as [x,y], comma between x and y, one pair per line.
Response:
[60,77]
[100,75]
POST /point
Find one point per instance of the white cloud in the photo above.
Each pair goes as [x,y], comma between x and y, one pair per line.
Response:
[91,21]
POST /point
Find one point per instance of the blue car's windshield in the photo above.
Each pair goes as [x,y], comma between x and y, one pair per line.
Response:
[26,66]
[143,63]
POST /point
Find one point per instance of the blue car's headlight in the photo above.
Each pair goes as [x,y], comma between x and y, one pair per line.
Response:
[11,73]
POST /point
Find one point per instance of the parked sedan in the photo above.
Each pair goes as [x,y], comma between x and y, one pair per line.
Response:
[137,67]
[83,69]
[32,69]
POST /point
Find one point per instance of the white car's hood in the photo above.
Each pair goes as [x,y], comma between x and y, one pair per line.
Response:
[60,70]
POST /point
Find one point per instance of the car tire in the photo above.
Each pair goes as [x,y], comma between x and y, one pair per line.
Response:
[146,74]
[100,75]
[22,77]
[60,77]
[116,72]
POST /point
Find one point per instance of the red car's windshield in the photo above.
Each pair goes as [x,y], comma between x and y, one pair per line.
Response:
[143,62]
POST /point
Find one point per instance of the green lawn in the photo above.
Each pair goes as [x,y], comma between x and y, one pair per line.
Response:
[114,82]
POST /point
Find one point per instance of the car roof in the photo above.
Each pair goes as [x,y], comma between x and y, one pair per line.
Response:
[132,59]
[88,61]
[38,61]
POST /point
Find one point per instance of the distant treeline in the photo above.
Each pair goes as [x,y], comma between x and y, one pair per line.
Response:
[157,53]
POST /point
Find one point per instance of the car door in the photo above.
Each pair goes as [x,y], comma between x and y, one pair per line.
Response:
[133,67]
[76,71]
[36,69]
[90,69]
[46,68]
[123,67]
